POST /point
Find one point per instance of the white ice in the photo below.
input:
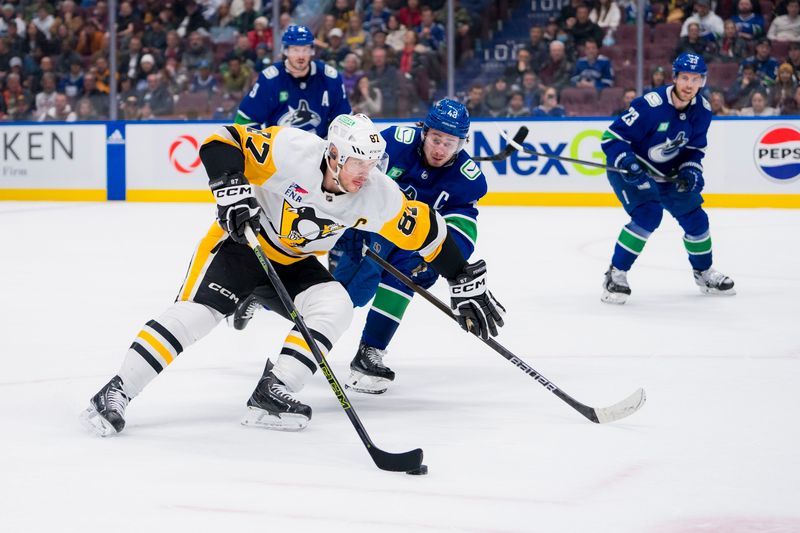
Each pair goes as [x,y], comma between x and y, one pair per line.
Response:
[714,449]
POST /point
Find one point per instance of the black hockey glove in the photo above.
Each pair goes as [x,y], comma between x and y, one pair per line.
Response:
[473,305]
[635,174]
[690,179]
[236,204]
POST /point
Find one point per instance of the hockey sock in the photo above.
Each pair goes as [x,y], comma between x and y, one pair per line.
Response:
[699,249]
[296,362]
[160,341]
[630,244]
[384,316]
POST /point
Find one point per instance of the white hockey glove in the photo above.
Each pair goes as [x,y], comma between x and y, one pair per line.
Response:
[474,306]
[236,205]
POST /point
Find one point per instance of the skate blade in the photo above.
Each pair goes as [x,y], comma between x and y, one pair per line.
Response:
[256,417]
[617,298]
[95,423]
[363,383]
[716,292]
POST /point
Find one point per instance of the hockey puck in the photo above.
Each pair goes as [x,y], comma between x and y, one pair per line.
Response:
[421,471]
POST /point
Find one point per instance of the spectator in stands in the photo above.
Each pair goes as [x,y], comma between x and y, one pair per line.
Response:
[657,79]
[627,97]
[792,107]
[243,51]
[98,98]
[129,59]
[17,45]
[395,33]
[44,21]
[157,96]
[192,22]
[337,50]
[567,15]
[786,27]
[101,72]
[72,83]
[410,16]
[245,21]
[694,43]
[758,106]
[718,107]
[85,110]
[516,106]
[430,32]
[537,47]
[711,25]
[530,89]
[376,17]
[475,101]
[793,57]
[203,80]
[766,66]
[130,111]
[263,58]
[351,72]
[784,87]
[10,17]
[125,90]
[223,25]
[387,79]
[584,29]
[342,12]
[514,72]
[549,106]
[60,111]
[738,94]
[261,33]
[127,21]
[593,69]
[558,69]
[46,99]
[175,47]
[607,15]
[90,39]
[236,79]
[366,98]
[17,100]
[497,97]
[731,48]
[195,54]
[147,66]
[750,25]
[321,39]
[355,37]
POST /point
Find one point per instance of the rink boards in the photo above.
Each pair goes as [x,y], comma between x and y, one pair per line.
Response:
[749,163]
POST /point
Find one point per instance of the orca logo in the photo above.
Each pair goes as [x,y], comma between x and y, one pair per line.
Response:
[183,154]
[777,154]
[661,153]
[303,117]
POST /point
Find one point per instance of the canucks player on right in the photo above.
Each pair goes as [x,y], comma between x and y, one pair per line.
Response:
[660,141]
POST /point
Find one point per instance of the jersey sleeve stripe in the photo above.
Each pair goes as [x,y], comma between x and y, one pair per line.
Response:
[465,226]
[435,240]
[201,260]
[223,135]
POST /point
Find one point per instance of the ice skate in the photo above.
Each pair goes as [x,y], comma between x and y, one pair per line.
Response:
[246,309]
[367,371]
[106,412]
[272,406]
[712,282]
[615,286]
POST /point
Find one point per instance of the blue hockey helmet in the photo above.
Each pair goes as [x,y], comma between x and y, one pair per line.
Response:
[448,116]
[297,35]
[688,62]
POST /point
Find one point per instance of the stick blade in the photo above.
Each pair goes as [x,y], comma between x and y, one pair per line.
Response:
[396,462]
[622,409]
[521,135]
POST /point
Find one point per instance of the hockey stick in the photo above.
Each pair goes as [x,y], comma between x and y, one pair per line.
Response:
[512,146]
[515,144]
[601,415]
[393,462]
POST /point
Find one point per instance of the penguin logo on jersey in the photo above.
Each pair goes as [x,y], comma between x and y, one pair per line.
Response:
[301,225]
[661,153]
[303,117]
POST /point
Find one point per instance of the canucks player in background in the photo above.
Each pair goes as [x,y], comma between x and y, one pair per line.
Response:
[660,141]
[298,92]
[429,165]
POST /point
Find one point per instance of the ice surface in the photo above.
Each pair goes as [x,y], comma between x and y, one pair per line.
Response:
[714,449]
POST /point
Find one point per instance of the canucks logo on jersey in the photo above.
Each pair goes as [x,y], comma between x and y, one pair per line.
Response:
[661,153]
[302,117]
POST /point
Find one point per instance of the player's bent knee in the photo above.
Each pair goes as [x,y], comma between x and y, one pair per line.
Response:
[189,321]
[694,222]
[648,216]
[326,308]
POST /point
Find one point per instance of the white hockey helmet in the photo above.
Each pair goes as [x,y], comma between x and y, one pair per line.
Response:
[357,137]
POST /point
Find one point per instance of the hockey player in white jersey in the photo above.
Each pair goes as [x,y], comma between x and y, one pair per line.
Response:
[299,193]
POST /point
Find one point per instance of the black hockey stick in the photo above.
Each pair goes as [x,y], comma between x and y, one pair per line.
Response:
[394,462]
[515,143]
[512,146]
[601,415]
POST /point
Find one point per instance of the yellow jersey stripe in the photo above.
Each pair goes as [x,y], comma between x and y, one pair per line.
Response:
[156,344]
[202,257]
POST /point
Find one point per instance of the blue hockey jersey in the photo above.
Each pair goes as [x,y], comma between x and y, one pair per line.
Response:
[453,190]
[663,138]
[309,103]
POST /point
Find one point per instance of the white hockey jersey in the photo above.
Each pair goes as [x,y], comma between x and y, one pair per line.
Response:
[300,218]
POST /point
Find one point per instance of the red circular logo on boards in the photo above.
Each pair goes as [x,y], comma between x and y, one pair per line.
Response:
[181,151]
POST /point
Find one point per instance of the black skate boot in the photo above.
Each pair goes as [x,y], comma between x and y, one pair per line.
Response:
[272,406]
[712,282]
[106,412]
[246,309]
[615,286]
[367,371]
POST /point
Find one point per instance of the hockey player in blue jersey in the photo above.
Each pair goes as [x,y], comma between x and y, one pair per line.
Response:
[298,92]
[660,143]
[429,165]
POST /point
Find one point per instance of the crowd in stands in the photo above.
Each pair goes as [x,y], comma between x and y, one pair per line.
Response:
[192,59]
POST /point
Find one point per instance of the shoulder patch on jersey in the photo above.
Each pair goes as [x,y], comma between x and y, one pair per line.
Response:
[331,72]
[404,135]
[270,72]
[705,103]
[654,99]
[470,169]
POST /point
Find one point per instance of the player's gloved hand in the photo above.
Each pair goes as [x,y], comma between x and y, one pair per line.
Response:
[236,205]
[635,174]
[690,179]
[474,306]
